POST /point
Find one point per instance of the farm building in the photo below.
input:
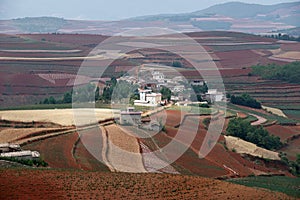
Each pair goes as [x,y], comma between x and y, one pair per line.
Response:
[6,147]
[214,95]
[197,82]
[148,98]
[21,154]
[130,117]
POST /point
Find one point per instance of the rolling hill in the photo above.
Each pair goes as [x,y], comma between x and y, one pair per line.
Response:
[251,18]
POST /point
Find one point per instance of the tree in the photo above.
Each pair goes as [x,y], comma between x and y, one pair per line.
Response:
[46,101]
[177,64]
[245,100]
[67,98]
[97,95]
[52,100]
[257,135]
[166,93]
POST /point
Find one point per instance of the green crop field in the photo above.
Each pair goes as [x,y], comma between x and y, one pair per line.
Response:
[287,185]
[270,118]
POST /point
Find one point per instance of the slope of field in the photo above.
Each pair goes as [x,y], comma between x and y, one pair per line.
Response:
[52,184]
[284,132]
[242,146]
[57,151]
[219,163]
[286,185]
[232,53]
[15,134]
[275,111]
[123,151]
[64,117]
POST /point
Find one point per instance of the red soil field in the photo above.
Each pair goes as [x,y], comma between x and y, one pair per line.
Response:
[233,36]
[85,160]
[57,151]
[72,39]
[290,47]
[237,59]
[292,149]
[218,158]
[284,132]
[53,184]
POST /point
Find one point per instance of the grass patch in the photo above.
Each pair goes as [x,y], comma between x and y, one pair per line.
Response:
[230,113]
[287,185]
[243,47]
[250,119]
[39,107]
[193,109]
[270,118]
[56,106]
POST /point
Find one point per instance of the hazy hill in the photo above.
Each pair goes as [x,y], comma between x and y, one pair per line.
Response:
[245,10]
[232,16]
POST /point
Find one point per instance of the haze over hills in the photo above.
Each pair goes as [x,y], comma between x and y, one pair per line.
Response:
[251,18]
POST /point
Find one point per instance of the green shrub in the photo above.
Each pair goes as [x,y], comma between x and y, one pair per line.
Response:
[258,135]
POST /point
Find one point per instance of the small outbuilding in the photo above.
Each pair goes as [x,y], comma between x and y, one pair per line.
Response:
[130,117]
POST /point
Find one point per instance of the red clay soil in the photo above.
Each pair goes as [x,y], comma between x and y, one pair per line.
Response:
[71,39]
[292,149]
[290,47]
[219,162]
[85,160]
[284,132]
[241,115]
[238,59]
[54,184]
[57,151]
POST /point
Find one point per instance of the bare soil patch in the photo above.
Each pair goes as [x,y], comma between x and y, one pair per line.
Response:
[52,184]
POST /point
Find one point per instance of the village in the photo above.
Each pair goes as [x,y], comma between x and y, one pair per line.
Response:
[156,90]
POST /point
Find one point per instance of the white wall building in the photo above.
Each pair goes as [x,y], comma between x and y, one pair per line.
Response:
[148,98]
[160,77]
[214,96]
[130,117]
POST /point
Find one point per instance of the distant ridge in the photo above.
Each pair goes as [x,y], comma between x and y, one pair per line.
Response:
[231,16]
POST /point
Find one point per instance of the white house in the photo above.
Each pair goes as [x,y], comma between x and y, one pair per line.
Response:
[159,76]
[214,96]
[197,82]
[148,98]
[130,117]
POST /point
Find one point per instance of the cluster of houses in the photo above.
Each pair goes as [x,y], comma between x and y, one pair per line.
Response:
[8,150]
[178,85]
[150,83]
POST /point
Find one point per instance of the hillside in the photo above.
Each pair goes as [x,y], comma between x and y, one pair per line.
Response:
[250,10]
[251,18]
[55,184]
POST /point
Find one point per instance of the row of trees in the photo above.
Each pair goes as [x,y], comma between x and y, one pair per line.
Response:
[294,166]
[29,162]
[284,37]
[67,98]
[289,72]
[245,100]
[258,135]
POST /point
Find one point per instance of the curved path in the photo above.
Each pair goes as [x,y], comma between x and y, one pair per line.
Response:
[260,120]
